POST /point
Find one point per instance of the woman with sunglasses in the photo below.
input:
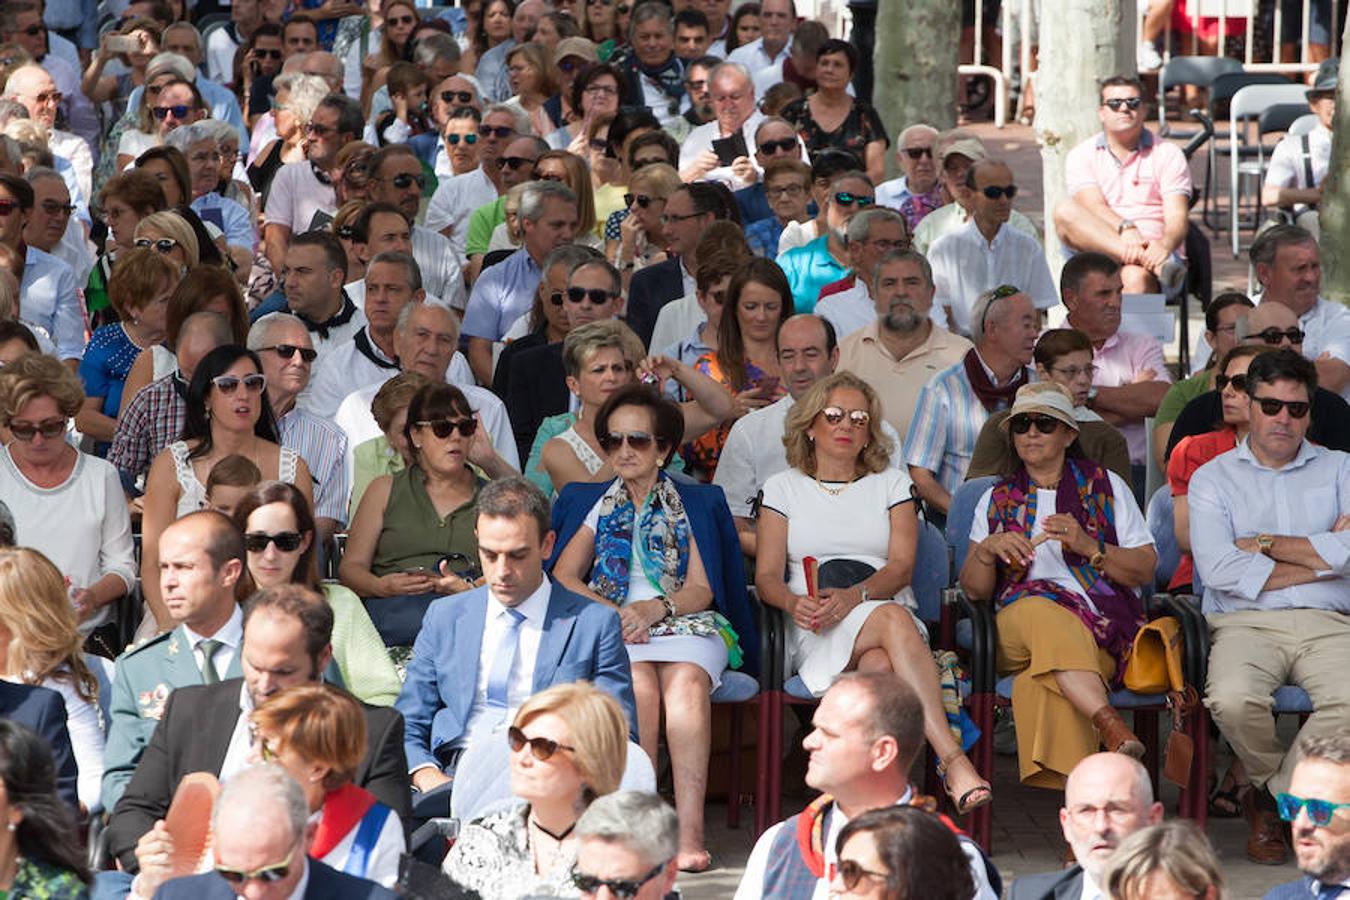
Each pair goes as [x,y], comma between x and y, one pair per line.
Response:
[279,538]
[41,853]
[1060,548]
[657,550]
[568,745]
[842,506]
[136,132]
[408,522]
[296,99]
[227,413]
[67,505]
[400,21]
[642,237]
[900,853]
[831,118]
[317,733]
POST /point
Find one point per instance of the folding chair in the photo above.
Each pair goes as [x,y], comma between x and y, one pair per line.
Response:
[1221,92]
[1248,103]
[1195,71]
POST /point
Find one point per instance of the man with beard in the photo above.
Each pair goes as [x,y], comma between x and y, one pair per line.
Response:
[1316,808]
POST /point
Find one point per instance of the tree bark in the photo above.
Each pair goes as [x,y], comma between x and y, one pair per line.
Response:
[1334,214]
[1091,40]
[915,64]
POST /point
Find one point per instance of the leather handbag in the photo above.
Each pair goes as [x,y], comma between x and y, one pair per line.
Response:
[1154,667]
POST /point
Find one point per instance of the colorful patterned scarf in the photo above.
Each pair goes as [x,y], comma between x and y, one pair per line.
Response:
[1085,493]
[662,540]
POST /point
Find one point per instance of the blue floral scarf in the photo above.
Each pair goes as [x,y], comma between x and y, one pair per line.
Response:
[662,540]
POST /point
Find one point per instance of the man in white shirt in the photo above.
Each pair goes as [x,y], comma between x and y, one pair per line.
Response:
[456,198]
[987,252]
[35,89]
[777,18]
[870,235]
[1298,164]
[733,99]
[954,152]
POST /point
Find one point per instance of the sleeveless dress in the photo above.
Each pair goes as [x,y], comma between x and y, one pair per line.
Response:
[193,496]
[588,457]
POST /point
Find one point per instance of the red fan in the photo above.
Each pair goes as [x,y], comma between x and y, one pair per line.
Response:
[189,821]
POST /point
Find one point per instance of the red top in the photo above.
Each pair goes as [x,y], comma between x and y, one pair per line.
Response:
[1190,454]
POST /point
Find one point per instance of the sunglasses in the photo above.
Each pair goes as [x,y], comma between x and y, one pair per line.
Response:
[1130,103]
[454,139]
[844,198]
[515,162]
[49,97]
[497,131]
[228,384]
[999,293]
[619,887]
[8,206]
[163,245]
[599,2]
[541,748]
[286,541]
[52,208]
[25,431]
[557,297]
[858,418]
[595,295]
[637,440]
[641,200]
[599,144]
[1021,424]
[178,111]
[266,53]
[405,180]
[622,9]
[443,427]
[1239,382]
[267,874]
[918,152]
[317,130]
[779,146]
[464,97]
[649,161]
[288,351]
[1321,812]
[401,20]
[1271,407]
[994,191]
[1273,335]
[851,872]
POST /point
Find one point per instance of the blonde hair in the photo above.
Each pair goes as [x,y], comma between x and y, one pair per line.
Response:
[660,178]
[322,724]
[35,608]
[171,224]
[395,394]
[599,731]
[801,450]
[1177,849]
[36,375]
[581,343]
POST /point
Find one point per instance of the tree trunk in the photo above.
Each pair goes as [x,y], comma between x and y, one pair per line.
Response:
[1335,209]
[1092,40]
[915,64]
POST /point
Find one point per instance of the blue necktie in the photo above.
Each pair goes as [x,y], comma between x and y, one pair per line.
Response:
[1330,891]
[499,678]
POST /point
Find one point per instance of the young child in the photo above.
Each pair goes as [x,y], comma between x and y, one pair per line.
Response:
[408,86]
[229,481]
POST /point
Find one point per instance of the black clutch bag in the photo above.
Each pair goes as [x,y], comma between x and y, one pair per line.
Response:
[842,573]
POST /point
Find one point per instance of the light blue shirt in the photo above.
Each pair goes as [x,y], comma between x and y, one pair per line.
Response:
[80,15]
[491,72]
[323,446]
[47,299]
[808,269]
[230,217]
[1234,496]
[502,294]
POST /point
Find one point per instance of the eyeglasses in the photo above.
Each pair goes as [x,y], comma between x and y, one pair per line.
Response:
[918,152]
[994,191]
[228,384]
[667,218]
[163,245]
[1273,336]
[1321,812]
[267,874]
[844,198]
[1271,407]
[52,208]
[557,297]
[598,144]
[266,53]
[443,427]
[8,206]
[541,748]
[515,162]
[497,131]
[607,89]
[314,129]
[599,2]
[642,200]
[595,295]
[550,176]
[1130,103]
[858,418]
[401,20]
[619,887]
[52,97]
[697,87]
[785,145]
[286,541]
[886,246]
[33,30]
[25,431]
[464,97]
[288,351]
[404,180]
[785,190]
[1239,382]
[637,440]
[178,111]
[453,139]
[1072,372]
[1022,422]
[851,872]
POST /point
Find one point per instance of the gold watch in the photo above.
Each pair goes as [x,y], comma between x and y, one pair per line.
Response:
[1266,543]
[1098,559]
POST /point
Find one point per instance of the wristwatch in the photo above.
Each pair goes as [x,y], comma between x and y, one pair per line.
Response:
[670,608]
[1098,559]
[1124,225]
[1266,542]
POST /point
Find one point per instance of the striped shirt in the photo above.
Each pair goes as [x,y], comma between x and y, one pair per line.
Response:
[323,446]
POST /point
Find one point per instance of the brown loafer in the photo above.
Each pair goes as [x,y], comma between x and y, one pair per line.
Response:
[1115,734]
[1265,834]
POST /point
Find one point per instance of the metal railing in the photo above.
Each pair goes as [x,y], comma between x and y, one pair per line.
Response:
[1224,10]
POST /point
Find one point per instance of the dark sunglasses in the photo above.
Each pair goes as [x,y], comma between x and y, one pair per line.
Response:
[25,431]
[178,111]
[1021,423]
[557,297]
[571,65]
[780,146]
[994,191]
[405,180]
[515,162]
[453,139]
[638,440]
[464,97]
[622,9]
[619,887]
[1239,382]
[858,418]
[541,748]
[33,30]
[595,295]
[844,198]
[288,351]
[228,384]
[641,200]
[163,245]
[1321,812]
[286,541]
[649,161]
[999,293]
[918,152]
[1273,335]
[599,2]
[267,874]
[1130,103]
[443,427]
[1271,407]
[266,53]
[599,144]
[8,206]
[52,208]
[851,872]
[497,131]
[317,130]
[346,232]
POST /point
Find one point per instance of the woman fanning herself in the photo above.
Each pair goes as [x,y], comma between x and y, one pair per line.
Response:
[227,414]
[1060,547]
[665,555]
[841,503]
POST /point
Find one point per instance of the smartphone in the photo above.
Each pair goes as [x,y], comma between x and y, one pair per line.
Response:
[768,385]
[418,570]
[123,43]
[460,565]
[730,149]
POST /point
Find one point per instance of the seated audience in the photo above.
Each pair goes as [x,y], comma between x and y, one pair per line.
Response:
[1298,165]
[642,238]
[1320,784]
[1064,585]
[907,851]
[955,152]
[626,841]
[47,297]
[858,129]
[918,191]
[568,744]
[687,328]
[787,190]
[871,234]
[388,453]
[825,259]
[545,325]
[842,502]
[1168,859]
[124,199]
[45,854]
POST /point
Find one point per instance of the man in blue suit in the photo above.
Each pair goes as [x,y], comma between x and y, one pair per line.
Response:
[481,653]
[43,710]
[1317,809]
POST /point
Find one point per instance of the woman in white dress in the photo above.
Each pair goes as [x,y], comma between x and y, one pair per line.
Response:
[227,414]
[841,500]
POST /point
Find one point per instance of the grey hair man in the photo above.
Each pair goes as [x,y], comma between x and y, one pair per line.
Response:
[31,86]
[915,153]
[870,235]
[457,197]
[626,844]
[736,116]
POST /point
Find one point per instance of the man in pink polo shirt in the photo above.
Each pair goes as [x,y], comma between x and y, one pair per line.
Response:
[1129,193]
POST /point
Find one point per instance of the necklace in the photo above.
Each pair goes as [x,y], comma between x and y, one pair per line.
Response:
[557,837]
[835,491]
[1054,485]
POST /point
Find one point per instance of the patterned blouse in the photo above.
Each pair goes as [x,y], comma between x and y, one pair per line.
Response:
[492,857]
[860,128]
[35,880]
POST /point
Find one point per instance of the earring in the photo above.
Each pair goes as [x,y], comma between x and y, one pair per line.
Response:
[10,827]
[811,438]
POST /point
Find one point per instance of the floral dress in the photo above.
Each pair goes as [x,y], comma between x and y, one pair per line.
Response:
[34,880]
[701,454]
[861,127]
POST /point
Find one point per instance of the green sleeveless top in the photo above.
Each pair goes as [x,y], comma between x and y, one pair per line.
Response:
[413,535]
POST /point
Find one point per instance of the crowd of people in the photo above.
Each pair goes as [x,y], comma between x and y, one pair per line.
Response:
[428,388]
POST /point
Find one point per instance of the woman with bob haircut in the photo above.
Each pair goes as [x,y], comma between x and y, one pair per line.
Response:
[1170,859]
[900,853]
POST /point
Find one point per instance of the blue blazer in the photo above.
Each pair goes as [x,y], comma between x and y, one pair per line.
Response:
[325,883]
[582,640]
[1292,890]
[44,711]
[715,533]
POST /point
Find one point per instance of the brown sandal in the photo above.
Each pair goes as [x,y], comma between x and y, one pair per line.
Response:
[972,798]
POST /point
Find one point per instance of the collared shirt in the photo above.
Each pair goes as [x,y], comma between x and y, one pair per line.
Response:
[152,420]
[1122,356]
[323,446]
[966,265]
[1234,495]
[491,73]
[756,59]
[899,381]
[949,218]
[520,683]
[1326,329]
[1135,187]
[945,426]
[347,367]
[81,116]
[850,309]
[232,219]
[47,299]
[454,201]
[296,196]
[75,149]
[702,137]
[894,192]
[230,635]
[676,320]
[808,269]
[80,16]
[501,295]
[441,274]
[1288,167]
[335,331]
[1090,889]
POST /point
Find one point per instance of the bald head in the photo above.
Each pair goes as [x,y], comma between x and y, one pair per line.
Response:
[31,86]
[1107,797]
[1266,317]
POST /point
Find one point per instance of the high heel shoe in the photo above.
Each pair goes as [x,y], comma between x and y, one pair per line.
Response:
[982,794]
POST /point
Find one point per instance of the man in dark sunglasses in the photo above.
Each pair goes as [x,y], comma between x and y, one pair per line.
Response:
[1129,192]
[775,138]
[397,177]
[1317,807]
[1266,534]
[515,166]
[626,845]
[825,259]
[47,284]
[456,198]
[915,152]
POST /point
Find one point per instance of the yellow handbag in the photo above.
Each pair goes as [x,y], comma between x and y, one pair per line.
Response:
[1154,665]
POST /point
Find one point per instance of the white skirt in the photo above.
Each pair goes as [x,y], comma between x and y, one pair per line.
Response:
[818,658]
[708,652]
